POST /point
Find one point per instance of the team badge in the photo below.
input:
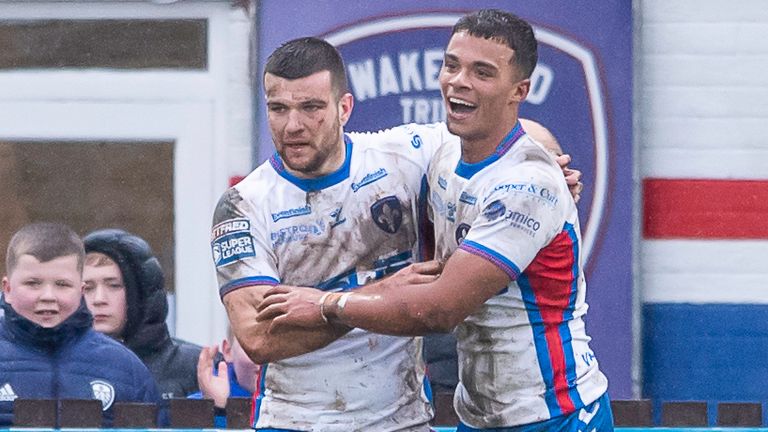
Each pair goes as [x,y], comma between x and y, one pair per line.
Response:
[461,232]
[387,214]
[104,392]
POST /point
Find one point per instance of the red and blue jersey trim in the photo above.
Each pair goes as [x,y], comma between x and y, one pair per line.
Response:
[258,394]
[491,255]
[549,286]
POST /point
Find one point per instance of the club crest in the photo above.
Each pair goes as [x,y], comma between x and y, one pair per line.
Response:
[104,392]
[387,214]
[461,232]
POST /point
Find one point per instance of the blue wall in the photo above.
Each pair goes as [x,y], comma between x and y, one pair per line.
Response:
[713,353]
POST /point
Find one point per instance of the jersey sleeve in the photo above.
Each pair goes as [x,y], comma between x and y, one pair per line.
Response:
[521,214]
[240,245]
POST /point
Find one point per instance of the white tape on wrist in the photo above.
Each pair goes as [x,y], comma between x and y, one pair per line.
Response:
[322,306]
[342,302]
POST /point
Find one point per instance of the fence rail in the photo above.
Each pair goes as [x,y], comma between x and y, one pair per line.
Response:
[193,414]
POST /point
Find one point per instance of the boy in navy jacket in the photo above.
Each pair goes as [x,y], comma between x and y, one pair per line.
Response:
[48,349]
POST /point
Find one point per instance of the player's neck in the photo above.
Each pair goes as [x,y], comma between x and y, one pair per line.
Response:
[474,150]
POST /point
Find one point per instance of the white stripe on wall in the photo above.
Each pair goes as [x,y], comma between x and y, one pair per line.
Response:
[704,271]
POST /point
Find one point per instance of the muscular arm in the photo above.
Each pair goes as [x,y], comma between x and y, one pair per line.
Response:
[263,346]
[466,282]
[412,302]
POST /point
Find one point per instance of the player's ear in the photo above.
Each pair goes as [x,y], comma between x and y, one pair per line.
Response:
[520,91]
[346,103]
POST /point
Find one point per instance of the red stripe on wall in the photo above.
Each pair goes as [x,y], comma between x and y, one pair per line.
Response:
[710,209]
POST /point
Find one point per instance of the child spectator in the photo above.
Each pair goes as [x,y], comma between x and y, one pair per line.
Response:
[124,289]
[48,349]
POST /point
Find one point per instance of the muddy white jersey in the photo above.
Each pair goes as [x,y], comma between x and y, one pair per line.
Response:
[524,356]
[336,232]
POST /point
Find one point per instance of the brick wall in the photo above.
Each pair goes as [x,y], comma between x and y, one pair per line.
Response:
[702,103]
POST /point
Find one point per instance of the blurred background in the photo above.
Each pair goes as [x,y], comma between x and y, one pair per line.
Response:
[139,114]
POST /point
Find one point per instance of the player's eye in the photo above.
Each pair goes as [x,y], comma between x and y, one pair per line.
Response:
[484,73]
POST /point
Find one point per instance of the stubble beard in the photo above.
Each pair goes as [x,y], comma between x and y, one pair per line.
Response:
[311,167]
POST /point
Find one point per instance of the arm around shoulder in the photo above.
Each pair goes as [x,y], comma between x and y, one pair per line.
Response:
[397,307]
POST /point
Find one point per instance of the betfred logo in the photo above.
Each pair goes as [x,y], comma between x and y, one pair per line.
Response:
[393,65]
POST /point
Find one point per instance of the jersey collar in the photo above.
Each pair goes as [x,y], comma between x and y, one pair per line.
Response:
[467,170]
[319,183]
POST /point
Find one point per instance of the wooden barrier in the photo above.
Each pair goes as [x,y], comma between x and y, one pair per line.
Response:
[685,414]
[632,412]
[739,414]
[34,413]
[135,415]
[191,413]
[77,413]
[444,412]
[195,413]
[238,413]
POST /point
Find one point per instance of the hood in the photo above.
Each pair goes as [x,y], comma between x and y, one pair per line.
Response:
[145,328]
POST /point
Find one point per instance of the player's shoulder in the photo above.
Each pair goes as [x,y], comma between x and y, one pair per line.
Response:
[531,157]
[403,139]
[250,193]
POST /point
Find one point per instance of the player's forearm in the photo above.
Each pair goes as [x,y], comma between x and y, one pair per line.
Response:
[263,346]
[402,310]
[394,306]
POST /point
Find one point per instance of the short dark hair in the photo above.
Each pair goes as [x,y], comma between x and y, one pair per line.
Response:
[506,28]
[45,241]
[302,57]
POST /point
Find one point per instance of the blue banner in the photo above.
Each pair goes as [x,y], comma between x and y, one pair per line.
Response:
[581,90]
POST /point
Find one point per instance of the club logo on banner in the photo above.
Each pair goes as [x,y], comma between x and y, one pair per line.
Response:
[393,65]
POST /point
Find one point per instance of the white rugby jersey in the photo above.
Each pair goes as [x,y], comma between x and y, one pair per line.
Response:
[336,233]
[524,356]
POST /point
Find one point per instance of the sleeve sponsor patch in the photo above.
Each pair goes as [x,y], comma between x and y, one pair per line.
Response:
[232,241]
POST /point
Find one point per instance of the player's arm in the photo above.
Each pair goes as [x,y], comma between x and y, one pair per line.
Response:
[263,346]
[246,268]
[412,302]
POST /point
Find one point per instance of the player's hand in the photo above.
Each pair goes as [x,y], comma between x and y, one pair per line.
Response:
[212,386]
[291,306]
[416,274]
[572,176]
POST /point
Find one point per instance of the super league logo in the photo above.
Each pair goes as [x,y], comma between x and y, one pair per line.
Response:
[393,65]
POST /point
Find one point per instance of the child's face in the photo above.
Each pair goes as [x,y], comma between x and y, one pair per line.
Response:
[45,293]
[105,296]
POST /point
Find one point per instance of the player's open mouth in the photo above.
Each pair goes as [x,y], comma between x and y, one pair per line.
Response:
[460,106]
